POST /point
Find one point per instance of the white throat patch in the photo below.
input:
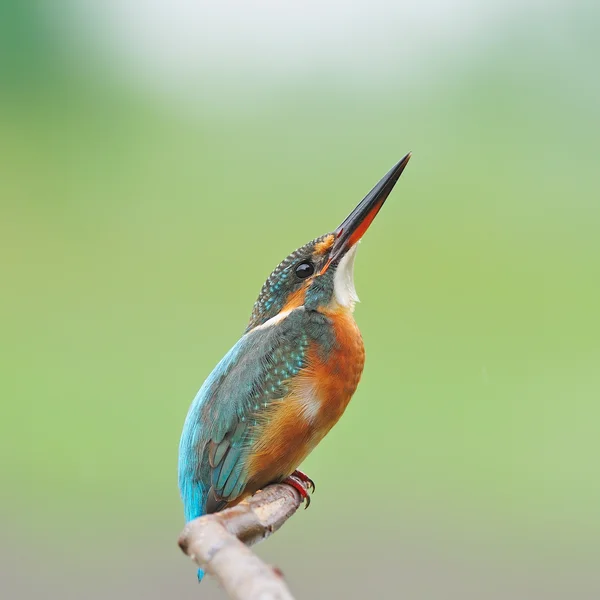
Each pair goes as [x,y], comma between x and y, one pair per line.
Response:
[343,280]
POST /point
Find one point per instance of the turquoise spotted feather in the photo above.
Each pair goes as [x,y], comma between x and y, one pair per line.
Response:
[225,417]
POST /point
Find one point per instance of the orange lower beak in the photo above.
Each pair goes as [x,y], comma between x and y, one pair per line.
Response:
[358,221]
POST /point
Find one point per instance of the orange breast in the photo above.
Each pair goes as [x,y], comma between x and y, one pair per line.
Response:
[336,378]
[294,425]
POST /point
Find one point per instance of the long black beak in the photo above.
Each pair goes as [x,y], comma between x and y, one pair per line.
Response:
[358,221]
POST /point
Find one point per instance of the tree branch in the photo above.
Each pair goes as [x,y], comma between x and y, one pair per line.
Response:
[218,543]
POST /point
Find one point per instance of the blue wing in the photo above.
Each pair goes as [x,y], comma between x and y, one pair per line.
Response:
[225,417]
[192,489]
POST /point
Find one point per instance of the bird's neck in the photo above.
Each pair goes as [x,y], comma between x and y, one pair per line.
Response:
[338,313]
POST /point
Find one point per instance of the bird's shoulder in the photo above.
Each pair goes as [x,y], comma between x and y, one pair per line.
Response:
[278,344]
[234,399]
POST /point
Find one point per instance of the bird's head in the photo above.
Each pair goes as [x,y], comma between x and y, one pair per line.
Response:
[320,274]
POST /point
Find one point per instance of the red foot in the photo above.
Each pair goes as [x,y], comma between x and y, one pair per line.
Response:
[301,483]
[304,478]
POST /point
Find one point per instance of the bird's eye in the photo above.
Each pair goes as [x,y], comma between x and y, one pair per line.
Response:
[304,270]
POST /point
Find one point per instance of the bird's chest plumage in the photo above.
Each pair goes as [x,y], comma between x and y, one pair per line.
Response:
[317,398]
[335,374]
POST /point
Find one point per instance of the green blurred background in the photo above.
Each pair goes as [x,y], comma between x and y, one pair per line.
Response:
[159,159]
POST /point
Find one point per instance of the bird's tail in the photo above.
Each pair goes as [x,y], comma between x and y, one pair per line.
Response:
[194,505]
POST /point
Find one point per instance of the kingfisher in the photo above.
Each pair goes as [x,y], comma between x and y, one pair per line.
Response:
[289,378]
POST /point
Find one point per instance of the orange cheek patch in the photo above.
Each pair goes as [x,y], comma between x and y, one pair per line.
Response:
[295,300]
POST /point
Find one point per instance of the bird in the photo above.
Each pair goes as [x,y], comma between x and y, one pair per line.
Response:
[287,380]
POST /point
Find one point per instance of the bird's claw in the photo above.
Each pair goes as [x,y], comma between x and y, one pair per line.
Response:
[304,478]
[300,486]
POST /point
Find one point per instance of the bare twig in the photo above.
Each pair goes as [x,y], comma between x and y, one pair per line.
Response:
[218,543]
